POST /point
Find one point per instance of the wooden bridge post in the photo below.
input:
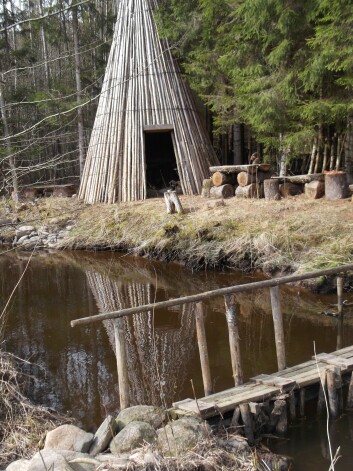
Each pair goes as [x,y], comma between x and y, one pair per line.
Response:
[121,364]
[232,322]
[340,312]
[202,343]
[340,295]
[278,327]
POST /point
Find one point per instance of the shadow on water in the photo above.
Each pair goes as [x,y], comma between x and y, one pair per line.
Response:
[76,367]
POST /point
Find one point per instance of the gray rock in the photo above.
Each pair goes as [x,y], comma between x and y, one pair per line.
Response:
[62,460]
[235,443]
[22,239]
[5,222]
[182,435]
[69,228]
[103,436]
[24,230]
[19,465]
[134,435]
[48,459]
[155,416]
[54,221]
[68,437]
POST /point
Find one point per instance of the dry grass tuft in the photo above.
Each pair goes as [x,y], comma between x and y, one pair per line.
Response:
[22,424]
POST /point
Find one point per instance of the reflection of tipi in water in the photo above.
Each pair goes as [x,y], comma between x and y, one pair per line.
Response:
[156,356]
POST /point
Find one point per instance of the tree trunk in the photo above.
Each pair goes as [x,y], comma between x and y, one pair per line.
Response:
[315,189]
[12,164]
[45,47]
[336,186]
[349,149]
[312,158]
[271,190]
[81,146]
[224,191]
[237,144]
[254,190]
[283,159]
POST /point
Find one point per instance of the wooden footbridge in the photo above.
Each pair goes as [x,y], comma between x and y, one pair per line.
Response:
[270,399]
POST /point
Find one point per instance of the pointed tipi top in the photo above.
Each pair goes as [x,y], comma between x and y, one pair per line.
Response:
[143,93]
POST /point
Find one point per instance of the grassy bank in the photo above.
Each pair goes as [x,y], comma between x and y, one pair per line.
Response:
[292,235]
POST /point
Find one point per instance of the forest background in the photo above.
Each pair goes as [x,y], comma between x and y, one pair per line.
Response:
[277,73]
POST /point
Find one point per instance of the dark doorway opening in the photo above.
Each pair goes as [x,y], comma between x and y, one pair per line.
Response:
[161,167]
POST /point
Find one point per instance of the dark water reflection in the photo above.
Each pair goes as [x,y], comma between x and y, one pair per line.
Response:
[77,367]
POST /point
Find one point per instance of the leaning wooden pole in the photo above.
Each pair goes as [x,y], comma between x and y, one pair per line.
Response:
[212,294]
[202,343]
[234,344]
[121,363]
[278,327]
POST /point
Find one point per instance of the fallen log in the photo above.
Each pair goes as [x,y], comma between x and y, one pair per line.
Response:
[289,189]
[220,178]
[271,190]
[314,190]
[240,168]
[254,190]
[224,191]
[336,185]
[245,178]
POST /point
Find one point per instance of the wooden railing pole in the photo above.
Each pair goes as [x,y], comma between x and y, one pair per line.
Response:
[232,322]
[210,294]
[202,343]
[340,294]
[278,327]
[121,364]
[340,312]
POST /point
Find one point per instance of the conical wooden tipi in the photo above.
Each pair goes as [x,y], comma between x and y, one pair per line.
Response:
[143,94]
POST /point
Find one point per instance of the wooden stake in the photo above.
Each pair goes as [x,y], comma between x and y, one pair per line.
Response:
[321,404]
[202,343]
[121,363]
[333,379]
[232,322]
[292,406]
[349,404]
[340,295]
[278,327]
[302,402]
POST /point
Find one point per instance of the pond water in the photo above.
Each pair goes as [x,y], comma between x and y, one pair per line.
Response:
[76,367]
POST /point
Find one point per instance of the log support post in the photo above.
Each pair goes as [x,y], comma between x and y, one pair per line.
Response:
[279,417]
[247,422]
[340,295]
[302,402]
[232,322]
[321,403]
[121,363]
[334,383]
[278,327]
[292,406]
[202,343]
[349,404]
